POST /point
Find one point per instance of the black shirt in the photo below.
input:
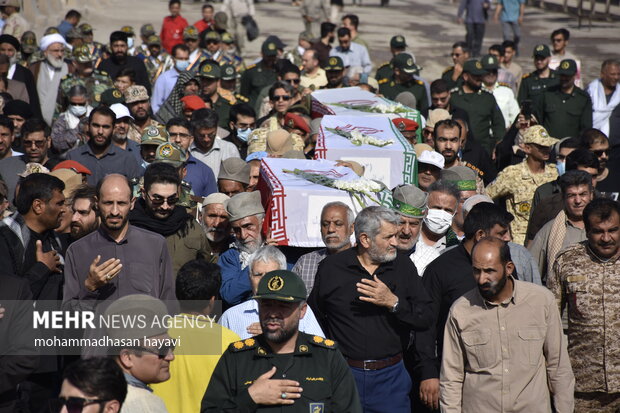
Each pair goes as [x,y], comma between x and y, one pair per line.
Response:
[112,67]
[365,331]
[477,158]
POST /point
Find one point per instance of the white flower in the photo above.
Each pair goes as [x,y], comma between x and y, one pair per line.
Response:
[358,185]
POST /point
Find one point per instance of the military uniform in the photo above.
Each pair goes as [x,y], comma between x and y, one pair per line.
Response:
[135,134]
[384,73]
[582,283]
[447,77]
[254,79]
[391,89]
[533,86]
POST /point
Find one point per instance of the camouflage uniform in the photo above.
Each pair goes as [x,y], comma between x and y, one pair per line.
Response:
[518,184]
[97,83]
[135,134]
[590,288]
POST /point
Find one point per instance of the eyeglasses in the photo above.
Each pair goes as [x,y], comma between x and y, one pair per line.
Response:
[179,135]
[285,98]
[73,404]
[38,144]
[161,352]
[600,152]
[293,81]
[159,201]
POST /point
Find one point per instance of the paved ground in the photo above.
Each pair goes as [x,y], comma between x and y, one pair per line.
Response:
[428,25]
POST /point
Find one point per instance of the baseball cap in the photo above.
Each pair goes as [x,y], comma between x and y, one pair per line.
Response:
[432,158]
[136,93]
[147,30]
[541,50]
[227,38]
[398,42]
[190,32]
[111,96]
[153,136]
[436,115]
[538,135]
[85,28]
[404,62]
[567,67]
[334,63]
[82,54]
[213,36]
[228,72]
[210,69]
[170,153]
[473,67]
[281,285]
[489,62]
[120,111]
[128,30]
[409,200]
[269,48]
[153,40]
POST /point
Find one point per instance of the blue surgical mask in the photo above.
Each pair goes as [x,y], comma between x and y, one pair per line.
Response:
[181,65]
[561,167]
[130,42]
[243,134]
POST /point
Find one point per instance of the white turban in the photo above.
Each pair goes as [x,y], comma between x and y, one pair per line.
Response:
[46,41]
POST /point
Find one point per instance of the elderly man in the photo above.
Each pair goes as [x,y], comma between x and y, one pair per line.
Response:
[430,164]
[410,203]
[245,213]
[605,95]
[49,72]
[336,230]
[312,74]
[388,302]
[243,318]
[214,220]
[122,124]
[528,368]
[206,147]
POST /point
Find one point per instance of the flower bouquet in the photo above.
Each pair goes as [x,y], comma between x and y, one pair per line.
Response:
[378,108]
[358,138]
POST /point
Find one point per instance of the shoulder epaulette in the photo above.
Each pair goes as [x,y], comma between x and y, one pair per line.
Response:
[526,75]
[250,67]
[447,70]
[227,99]
[384,64]
[453,90]
[65,77]
[247,344]
[419,82]
[323,342]
[503,84]
[382,81]
[102,73]
[241,98]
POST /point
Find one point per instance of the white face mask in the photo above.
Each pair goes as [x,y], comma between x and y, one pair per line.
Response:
[438,221]
[77,110]
[130,42]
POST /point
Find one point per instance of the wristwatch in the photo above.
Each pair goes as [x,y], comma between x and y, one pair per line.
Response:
[394,307]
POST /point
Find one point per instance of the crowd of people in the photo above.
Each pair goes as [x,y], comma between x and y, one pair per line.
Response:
[132,176]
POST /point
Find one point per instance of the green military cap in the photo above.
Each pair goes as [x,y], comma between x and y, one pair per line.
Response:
[489,62]
[473,67]
[213,36]
[398,42]
[82,54]
[190,32]
[85,28]
[170,153]
[567,67]
[29,42]
[50,30]
[538,135]
[153,136]
[128,30]
[147,30]
[281,285]
[409,201]
[210,69]
[307,36]
[112,96]
[462,176]
[542,50]
[153,40]
[228,71]
[404,62]
[334,63]
[74,34]
[269,48]
[227,38]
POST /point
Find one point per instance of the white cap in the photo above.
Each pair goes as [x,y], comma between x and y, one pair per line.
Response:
[121,111]
[433,158]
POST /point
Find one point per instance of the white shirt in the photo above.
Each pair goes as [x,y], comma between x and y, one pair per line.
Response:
[506,101]
[424,254]
[213,158]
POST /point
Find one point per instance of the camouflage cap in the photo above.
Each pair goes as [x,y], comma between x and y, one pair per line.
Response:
[82,54]
[153,40]
[50,30]
[74,34]
[136,93]
[228,72]
[409,200]
[227,38]
[128,30]
[34,168]
[474,67]
[221,20]
[334,63]
[29,42]
[269,48]
[307,36]
[170,153]
[190,32]
[209,69]
[398,42]
[85,28]
[281,285]
[213,36]
[567,67]
[404,62]
[538,135]
[541,50]
[153,136]
[147,30]
[489,62]
[111,96]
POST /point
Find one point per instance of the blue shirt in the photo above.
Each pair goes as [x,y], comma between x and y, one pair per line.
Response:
[239,317]
[355,55]
[163,86]
[64,28]
[200,177]
[510,10]
[134,148]
[115,161]
[475,10]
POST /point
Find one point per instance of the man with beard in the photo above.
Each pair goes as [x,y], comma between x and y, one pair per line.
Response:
[10,46]
[156,210]
[121,129]
[49,72]
[336,230]
[369,299]
[84,219]
[607,180]
[410,204]
[535,83]
[323,45]
[334,70]
[137,100]
[99,155]
[567,228]
[206,147]
[215,223]
[485,118]
[447,141]
[584,281]
[37,145]
[246,214]
[526,365]
[282,366]
[121,60]
[565,110]
[117,259]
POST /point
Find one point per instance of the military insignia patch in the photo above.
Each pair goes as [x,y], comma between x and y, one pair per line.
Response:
[249,342]
[117,94]
[409,62]
[303,348]
[524,208]
[400,39]
[333,61]
[152,131]
[540,47]
[317,407]
[565,65]
[478,65]
[275,284]
[165,151]
[329,342]
[229,71]
[271,46]
[207,68]
[238,345]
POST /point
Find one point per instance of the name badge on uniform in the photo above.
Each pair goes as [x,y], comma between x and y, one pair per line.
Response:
[317,407]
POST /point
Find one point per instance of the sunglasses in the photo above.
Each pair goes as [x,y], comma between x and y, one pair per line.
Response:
[293,81]
[159,201]
[285,98]
[161,352]
[38,144]
[73,404]
[600,152]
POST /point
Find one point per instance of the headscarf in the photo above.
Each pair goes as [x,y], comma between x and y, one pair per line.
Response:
[173,107]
